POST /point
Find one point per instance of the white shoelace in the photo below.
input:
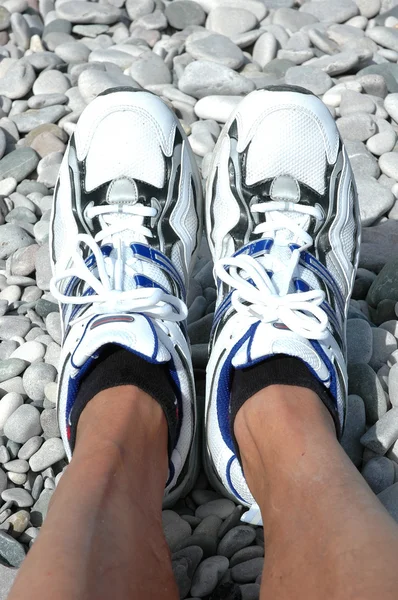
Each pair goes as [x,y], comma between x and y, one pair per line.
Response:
[299,311]
[108,294]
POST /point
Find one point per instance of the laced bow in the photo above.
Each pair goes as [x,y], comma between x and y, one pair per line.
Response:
[256,295]
[105,283]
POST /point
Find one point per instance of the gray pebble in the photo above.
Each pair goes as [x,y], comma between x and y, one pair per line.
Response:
[87,12]
[311,78]
[51,82]
[384,344]
[40,508]
[232,521]
[359,126]
[37,487]
[18,80]
[204,78]
[11,551]
[31,119]
[35,379]
[11,367]
[370,190]
[385,286]
[203,45]
[388,164]
[23,424]
[383,434]
[185,14]
[338,12]
[265,49]
[175,529]
[222,508]
[382,142]
[248,571]
[237,538]
[17,466]
[379,473]
[21,497]
[363,382]
[3,481]
[49,423]
[51,452]
[18,164]
[11,325]
[208,574]
[4,455]
[230,21]
[209,526]
[30,447]
[246,554]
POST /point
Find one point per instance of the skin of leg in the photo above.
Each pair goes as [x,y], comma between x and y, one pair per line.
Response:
[103,535]
[327,535]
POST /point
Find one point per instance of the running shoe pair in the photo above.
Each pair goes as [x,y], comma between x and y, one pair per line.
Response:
[283,228]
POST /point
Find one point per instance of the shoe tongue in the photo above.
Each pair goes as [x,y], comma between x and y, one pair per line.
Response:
[134,332]
[268,339]
[123,190]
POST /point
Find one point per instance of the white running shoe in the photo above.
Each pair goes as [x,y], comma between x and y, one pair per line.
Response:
[283,227]
[125,228]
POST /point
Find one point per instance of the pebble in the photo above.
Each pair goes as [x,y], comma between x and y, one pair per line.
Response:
[51,82]
[379,473]
[31,119]
[363,382]
[35,378]
[29,352]
[11,551]
[382,142]
[237,538]
[23,424]
[388,164]
[230,21]
[383,434]
[265,49]
[17,466]
[19,496]
[87,12]
[204,78]
[203,45]
[248,571]
[40,508]
[30,447]
[11,367]
[359,127]
[384,344]
[368,189]
[18,80]
[218,108]
[222,508]
[185,13]
[10,325]
[338,12]
[50,452]
[19,163]
[208,574]
[311,78]
[175,529]
[246,554]
[18,523]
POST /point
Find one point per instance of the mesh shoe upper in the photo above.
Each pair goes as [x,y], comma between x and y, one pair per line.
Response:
[125,228]
[283,227]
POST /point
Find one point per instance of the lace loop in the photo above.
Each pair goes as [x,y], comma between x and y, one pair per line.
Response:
[153,302]
[255,294]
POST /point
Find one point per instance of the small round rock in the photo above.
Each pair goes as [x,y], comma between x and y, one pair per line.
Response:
[23,424]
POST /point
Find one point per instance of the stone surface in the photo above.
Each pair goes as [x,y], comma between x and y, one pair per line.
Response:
[23,424]
[204,78]
[311,78]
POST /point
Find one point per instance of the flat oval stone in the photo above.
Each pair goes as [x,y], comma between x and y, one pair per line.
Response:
[388,164]
[230,21]
[51,452]
[208,574]
[185,14]
[204,78]
[11,367]
[18,164]
[203,45]
[11,551]
[311,78]
[18,80]
[23,424]
[21,497]
[222,508]
[237,538]
[10,325]
[88,12]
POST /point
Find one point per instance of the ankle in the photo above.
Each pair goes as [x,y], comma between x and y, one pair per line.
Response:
[279,425]
[123,418]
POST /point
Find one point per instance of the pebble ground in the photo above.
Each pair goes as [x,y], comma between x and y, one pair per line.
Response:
[201,58]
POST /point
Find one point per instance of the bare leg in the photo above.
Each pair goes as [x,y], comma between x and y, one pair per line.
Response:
[327,535]
[103,536]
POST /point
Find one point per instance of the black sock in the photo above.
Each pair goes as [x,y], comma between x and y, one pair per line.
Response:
[116,366]
[280,369]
